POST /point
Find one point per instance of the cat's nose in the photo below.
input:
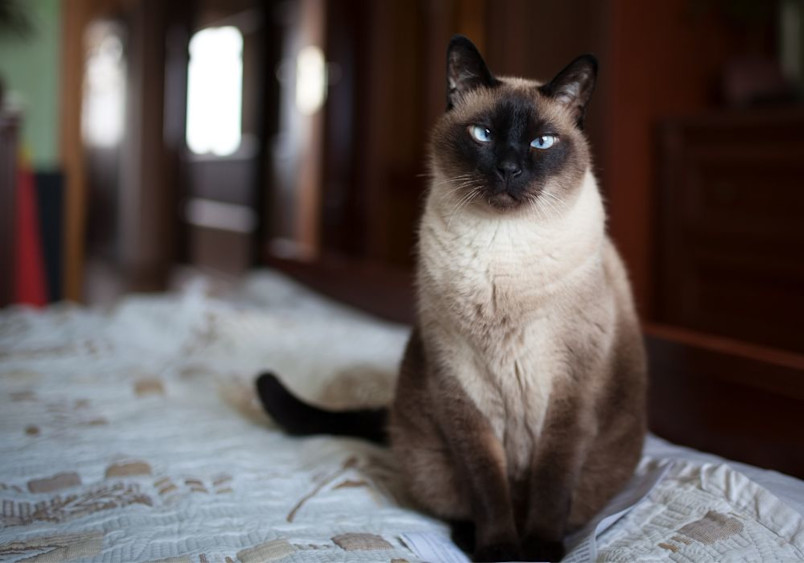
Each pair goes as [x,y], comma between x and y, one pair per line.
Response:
[508,169]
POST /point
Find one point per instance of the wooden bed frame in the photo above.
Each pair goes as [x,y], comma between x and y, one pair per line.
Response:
[712,394]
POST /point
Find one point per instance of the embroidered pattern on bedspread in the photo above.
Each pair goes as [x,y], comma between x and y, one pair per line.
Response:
[133,435]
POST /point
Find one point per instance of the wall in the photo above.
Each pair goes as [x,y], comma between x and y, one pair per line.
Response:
[30,69]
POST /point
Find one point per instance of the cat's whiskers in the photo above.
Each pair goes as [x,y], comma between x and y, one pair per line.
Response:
[534,205]
[458,187]
[548,205]
[545,209]
[465,200]
[456,183]
[554,197]
[462,179]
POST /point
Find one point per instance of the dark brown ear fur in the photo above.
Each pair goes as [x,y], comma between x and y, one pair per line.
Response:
[466,70]
[573,86]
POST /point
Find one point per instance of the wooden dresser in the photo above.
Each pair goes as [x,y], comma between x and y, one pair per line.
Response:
[726,333]
[730,258]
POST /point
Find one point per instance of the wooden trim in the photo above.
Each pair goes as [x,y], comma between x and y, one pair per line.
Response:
[312,32]
[766,369]
[75,15]
[726,345]
[733,402]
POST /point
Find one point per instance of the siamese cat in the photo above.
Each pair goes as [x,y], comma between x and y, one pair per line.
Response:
[520,404]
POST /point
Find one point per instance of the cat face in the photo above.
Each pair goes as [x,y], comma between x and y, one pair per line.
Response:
[510,143]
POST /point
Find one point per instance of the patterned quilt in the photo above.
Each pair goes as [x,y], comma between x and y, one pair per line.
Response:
[133,434]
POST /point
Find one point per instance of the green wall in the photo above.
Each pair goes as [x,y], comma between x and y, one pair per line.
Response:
[30,69]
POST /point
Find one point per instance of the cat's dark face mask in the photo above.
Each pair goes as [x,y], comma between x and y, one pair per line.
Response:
[513,150]
[505,140]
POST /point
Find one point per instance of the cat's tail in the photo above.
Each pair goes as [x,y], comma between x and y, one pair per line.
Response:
[298,418]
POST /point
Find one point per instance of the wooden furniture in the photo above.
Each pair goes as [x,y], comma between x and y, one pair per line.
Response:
[727,334]
[731,235]
[9,130]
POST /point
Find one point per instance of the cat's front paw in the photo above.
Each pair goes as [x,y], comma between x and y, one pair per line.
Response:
[497,552]
[535,549]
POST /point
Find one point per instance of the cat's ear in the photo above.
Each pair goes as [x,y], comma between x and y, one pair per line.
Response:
[573,86]
[466,70]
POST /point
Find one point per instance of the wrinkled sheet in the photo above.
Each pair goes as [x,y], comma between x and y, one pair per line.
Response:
[133,434]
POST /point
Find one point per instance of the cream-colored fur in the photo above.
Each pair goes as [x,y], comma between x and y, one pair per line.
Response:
[495,293]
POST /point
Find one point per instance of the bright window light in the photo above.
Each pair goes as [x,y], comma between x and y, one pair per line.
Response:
[311,80]
[215,91]
[103,110]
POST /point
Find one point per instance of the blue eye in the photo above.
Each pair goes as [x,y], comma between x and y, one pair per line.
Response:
[543,142]
[480,133]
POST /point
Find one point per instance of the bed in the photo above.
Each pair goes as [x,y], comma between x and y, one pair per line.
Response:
[132,433]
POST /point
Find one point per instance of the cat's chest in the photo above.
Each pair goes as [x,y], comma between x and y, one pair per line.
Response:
[497,302]
[490,278]
[510,369]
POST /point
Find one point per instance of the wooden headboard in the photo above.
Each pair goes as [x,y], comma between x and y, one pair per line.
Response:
[705,392]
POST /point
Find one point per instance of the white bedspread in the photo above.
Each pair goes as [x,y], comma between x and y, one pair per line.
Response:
[133,435]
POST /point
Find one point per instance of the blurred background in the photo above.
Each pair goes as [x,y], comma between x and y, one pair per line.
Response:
[221,135]
[142,139]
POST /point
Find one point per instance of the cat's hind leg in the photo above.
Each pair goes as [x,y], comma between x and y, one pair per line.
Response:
[426,466]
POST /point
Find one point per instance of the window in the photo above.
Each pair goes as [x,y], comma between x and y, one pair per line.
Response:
[215,91]
[104,98]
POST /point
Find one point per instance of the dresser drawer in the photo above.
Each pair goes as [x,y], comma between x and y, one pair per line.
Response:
[730,258]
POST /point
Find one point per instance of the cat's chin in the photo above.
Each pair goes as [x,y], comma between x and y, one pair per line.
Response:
[504,202]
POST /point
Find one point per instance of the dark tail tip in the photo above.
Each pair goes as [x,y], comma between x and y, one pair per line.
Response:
[298,418]
[281,404]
